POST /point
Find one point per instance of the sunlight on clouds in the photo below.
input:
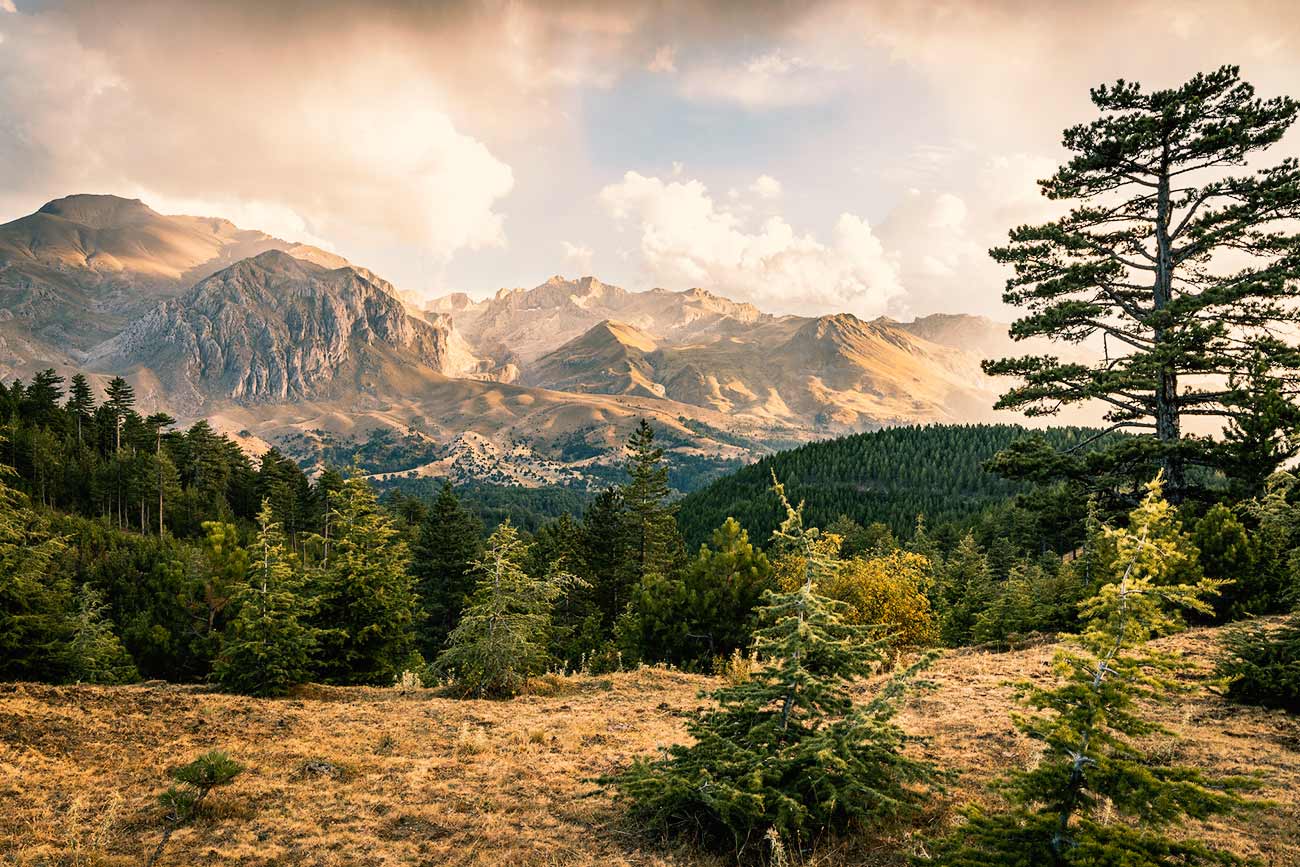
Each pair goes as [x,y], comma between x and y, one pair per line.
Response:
[766,187]
[665,60]
[689,240]
[771,80]
[363,150]
[578,257]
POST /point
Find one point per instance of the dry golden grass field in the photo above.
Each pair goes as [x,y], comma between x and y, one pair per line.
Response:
[380,777]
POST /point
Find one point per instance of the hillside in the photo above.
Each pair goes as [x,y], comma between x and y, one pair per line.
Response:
[379,777]
[81,268]
[889,476]
[274,328]
[830,374]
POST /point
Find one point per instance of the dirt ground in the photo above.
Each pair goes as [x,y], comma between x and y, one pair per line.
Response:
[381,777]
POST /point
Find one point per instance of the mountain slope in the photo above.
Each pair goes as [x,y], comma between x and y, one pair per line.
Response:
[79,269]
[274,328]
[524,324]
[833,373]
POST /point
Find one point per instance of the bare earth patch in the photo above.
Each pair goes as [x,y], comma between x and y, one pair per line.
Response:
[381,777]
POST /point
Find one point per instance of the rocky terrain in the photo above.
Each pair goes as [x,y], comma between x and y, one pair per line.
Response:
[363,776]
[275,329]
[275,341]
[78,270]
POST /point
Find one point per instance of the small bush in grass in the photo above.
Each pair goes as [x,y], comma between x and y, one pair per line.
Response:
[1262,665]
[194,782]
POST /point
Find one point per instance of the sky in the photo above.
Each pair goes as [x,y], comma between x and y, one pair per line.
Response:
[809,157]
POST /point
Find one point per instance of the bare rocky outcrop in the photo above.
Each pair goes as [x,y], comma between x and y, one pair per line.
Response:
[273,328]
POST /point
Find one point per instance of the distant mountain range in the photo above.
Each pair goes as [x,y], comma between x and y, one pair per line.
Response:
[286,343]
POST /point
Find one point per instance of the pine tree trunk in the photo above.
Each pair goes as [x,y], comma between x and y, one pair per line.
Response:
[1168,427]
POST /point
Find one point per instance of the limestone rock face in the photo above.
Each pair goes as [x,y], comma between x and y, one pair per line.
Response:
[82,268]
[273,328]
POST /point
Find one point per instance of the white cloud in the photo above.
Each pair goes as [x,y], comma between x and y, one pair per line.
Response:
[770,80]
[361,153]
[270,217]
[665,60]
[942,237]
[578,256]
[689,240]
[8,6]
[766,187]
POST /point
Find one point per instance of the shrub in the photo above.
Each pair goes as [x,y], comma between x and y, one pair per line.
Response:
[786,754]
[1262,665]
[194,782]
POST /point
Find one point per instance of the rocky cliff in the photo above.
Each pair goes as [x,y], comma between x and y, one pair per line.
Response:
[274,328]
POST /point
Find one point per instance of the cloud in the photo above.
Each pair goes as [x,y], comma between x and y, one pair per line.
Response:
[8,6]
[687,239]
[665,60]
[766,187]
[771,80]
[358,149]
[941,238]
[578,257]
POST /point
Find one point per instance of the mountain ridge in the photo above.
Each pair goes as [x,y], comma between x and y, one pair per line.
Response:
[287,342]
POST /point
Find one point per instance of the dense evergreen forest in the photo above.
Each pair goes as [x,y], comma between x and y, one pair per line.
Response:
[890,476]
[150,535]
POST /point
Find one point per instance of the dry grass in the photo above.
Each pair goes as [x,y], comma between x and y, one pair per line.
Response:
[384,777]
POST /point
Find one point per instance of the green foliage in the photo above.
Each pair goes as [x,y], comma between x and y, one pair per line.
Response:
[448,543]
[95,655]
[502,636]
[1097,797]
[33,596]
[650,555]
[1228,553]
[965,589]
[1138,261]
[888,476]
[703,612]
[1261,664]
[652,546]
[1035,598]
[268,645]
[366,599]
[148,584]
[785,750]
[195,781]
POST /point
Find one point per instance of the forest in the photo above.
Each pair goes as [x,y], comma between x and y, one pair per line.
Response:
[131,550]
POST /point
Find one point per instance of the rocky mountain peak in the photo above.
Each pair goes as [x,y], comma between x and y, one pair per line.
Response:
[273,328]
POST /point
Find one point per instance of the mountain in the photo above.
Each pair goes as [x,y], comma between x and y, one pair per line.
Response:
[611,358]
[81,268]
[274,329]
[524,324]
[831,373]
[283,343]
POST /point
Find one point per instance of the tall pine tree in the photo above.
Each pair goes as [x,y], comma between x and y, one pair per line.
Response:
[1140,263]
[268,643]
[501,639]
[367,599]
[449,542]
